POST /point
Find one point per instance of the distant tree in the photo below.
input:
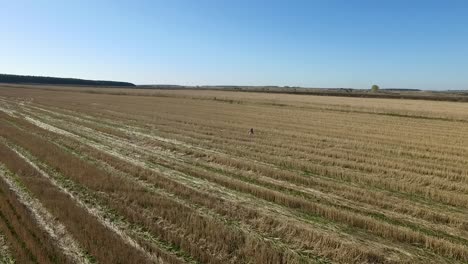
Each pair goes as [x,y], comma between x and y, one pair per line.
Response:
[375,88]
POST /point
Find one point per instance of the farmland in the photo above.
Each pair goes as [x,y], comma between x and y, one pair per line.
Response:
[92,175]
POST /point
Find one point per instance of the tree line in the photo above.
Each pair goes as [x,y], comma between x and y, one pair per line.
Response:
[10,78]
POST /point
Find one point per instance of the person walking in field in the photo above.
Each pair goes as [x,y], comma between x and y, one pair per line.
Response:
[251,132]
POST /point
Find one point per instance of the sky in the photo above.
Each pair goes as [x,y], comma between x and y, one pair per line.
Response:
[323,43]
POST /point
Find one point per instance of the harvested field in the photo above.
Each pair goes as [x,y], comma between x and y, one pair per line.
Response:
[92,175]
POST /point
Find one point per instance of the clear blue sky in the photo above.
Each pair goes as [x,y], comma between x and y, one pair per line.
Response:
[393,43]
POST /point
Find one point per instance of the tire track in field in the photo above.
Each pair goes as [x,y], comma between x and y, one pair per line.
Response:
[54,228]
[6,107]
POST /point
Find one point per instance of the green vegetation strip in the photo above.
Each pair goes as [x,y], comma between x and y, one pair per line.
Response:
[5,255]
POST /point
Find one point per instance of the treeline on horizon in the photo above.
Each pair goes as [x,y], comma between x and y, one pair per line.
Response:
[11,78]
